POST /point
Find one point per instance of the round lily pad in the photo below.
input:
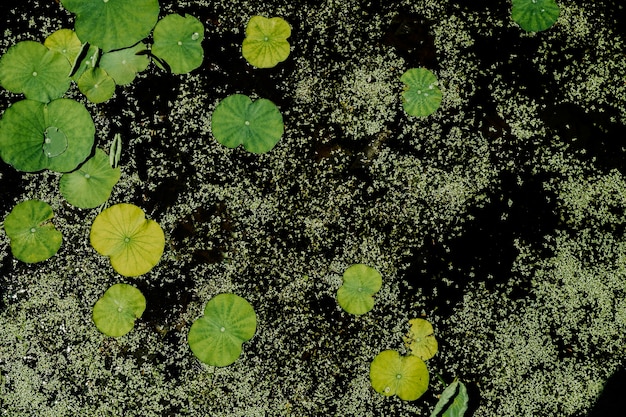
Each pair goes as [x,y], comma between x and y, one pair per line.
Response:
[91,184]
[66,43]
[404,376]
[360,283]
[535,15]
[113,24]
[421,339]
[31,69]
[216,337]
[421,96]
[116,311]
[133,244]
[33,237]
[238,120]
[96,85]
[265,44]
[124,64]
[178,41]
[34,136]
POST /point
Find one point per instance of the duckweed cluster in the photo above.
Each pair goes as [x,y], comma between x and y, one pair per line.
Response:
[536,334]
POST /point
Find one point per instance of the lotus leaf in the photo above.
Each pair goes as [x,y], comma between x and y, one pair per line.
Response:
[85,60]
[66,43]
[457,393]
[91,184]
[535,15]
[238,120]
[216,337]
[178,41]
[113,24]
[124,64]
[133,244]
[35,136]
[116,311]
[421,96]
[265,44]
[96,85]
[404,376]
[360,283]
[421,340]
[33,237]
[30,68]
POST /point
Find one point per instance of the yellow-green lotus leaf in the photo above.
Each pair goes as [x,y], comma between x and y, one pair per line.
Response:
[266,42]
[421,340]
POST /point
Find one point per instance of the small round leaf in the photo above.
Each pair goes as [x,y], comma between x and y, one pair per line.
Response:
[535,15]
[238,120]
[404,376]
[265,44]
[96,85]
[178,41]
[421,341]
[33,237]
[66,43]
[216,337]
[30,68]
[116,311]
[91,184]
[133,244]
[360,283]
[421,96]
[124,64]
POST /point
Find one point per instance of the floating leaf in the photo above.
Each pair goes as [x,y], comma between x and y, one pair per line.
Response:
[265,44]
[360,283]
[124,64]
[404,376]
[35,136]
[96,85]
[535,15]
[216,337]
[64,42]
[238,120]
[421,96]
[86,60]
[457,393]
[113,24]
[133,244]
[421,340]
[91,184]
[116,311]
[30,68]
[178,41]
[33,237]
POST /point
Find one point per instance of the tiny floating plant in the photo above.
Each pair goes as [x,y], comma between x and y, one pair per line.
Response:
[178,41]
[133,243]
[404,376]
[535,15]
[114,314]
[32,235]
[237,120]
[360,283]
[265,44]
[217,337]
[421,96]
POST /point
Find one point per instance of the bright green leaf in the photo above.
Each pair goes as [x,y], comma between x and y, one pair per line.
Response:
[535,15]
[96,85]
[360,283]
[124,64]
[178,41]
[404,376]
[265,44]
[453,401]
[116,311]
[64,42]
[421,96]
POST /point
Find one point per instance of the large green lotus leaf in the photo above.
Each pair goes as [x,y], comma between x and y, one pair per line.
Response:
[265,44]
[535,15]
[178,41]
[66,43]
[421,96]
[228,322]
[34,136]
[96,85]
[238,120]
[404,376]
[31,69]
[33,237]
[91,184]
[133,244]
[116,311]
[360,283]
[124,64]
[113,24]
[421,339]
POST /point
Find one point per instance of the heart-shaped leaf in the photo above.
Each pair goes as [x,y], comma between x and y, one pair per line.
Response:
[404,376]
[265,44]
[216,337]
[421,96]
[178,41]
[116,311]
[133,243]
[33,237]
[360,283]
